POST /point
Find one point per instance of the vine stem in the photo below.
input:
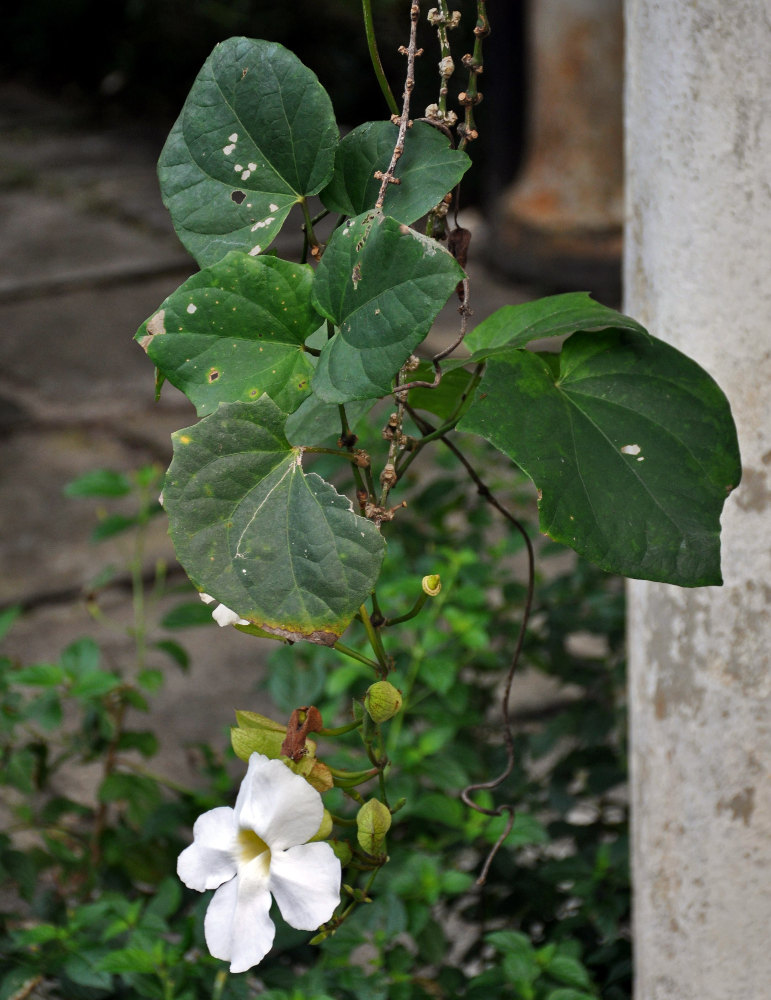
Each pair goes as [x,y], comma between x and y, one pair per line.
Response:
[417,607]
[355,655]
[374,55]
[374,639]
[310,236]
[447,426]
[348,441]
[474,64]
[404,121]
[446,67]
[488,496]
[389,480]
[341,730]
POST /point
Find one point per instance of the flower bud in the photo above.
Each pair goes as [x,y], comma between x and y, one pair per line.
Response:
[382,701]
[431,584]
[342,850]
[325,829]
[258,734]
[373,821]
[315,772]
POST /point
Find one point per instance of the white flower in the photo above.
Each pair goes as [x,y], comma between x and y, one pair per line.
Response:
[223,615]
[258,849]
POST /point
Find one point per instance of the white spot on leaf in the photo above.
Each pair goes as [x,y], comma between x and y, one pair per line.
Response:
[255,250]
[227,150]
[192,308]
[233,137]
[273,208]
[630,449]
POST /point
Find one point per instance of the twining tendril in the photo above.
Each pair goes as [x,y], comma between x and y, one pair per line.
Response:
[484,491]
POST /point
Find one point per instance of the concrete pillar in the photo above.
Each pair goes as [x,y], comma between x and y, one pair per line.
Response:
[561,220]
[698,273]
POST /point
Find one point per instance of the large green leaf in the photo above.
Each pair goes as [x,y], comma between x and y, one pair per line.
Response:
[630,443]
[281,548]
[382,284]
[256,135]
[553,316]
[427,169]
[235,331]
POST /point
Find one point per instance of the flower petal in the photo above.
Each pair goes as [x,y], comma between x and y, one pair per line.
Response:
[223,616]
[237,927]
[305,881]
[209,861]
[280,806]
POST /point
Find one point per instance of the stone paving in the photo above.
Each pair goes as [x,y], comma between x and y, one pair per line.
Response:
[87,252]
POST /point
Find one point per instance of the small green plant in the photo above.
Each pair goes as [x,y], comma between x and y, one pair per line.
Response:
[95,909]
[124,927]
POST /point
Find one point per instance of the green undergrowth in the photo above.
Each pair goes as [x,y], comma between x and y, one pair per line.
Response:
[92,909]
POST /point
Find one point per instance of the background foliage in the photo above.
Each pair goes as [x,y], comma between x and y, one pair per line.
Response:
[93,910]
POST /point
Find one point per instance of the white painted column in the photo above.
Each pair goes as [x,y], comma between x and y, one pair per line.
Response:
[698,274]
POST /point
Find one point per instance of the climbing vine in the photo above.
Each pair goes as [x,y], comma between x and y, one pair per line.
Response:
[630,445]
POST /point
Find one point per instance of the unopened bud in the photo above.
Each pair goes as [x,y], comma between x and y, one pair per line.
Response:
[373,822]
[342,850]
[325,829]
[431,584]
[382,701]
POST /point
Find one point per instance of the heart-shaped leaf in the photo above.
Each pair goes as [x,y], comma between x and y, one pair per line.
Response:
[256,135]
[382,284]
[630,443]
[235,331]
[427,169]
[281,548]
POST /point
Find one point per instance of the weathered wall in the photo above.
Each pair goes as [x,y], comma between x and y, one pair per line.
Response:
[698,274]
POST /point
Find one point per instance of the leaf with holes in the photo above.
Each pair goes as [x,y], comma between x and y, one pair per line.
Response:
[427,169]
[281,548]
[256,135]
[235,331]
[382,284]
[631,445]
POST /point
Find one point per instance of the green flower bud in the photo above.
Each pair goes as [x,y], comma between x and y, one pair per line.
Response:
[258,734]
[382,701]
[342,850]
[431,584]
[373,821]
[315,771]
[325,829]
